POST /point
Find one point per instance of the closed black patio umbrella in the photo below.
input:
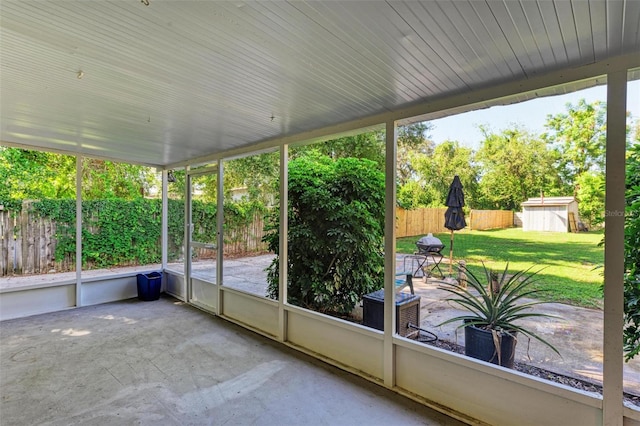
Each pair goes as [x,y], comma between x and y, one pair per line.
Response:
[454,216]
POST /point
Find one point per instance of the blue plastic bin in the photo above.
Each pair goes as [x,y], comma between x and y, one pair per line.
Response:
[149,286]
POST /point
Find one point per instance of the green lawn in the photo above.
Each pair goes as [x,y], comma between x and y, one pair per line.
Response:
[568,260]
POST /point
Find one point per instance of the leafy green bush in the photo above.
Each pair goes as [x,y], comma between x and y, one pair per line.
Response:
[632,256]
[128,232]
[115,232]
[336,227]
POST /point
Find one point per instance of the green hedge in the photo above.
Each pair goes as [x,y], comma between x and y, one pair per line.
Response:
[121,232]
[631,331]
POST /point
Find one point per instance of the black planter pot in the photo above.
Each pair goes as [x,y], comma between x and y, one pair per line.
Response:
[479,344]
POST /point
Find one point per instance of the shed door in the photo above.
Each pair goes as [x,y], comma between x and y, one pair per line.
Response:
[545,218]
[555,219]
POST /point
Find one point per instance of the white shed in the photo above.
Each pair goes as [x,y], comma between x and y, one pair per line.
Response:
[556,214]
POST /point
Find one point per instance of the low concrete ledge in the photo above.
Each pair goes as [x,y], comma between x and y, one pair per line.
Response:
[25,302]
[17,301]
[72,281]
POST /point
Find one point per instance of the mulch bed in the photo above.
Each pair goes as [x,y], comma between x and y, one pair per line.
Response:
[573,382]
[531,370]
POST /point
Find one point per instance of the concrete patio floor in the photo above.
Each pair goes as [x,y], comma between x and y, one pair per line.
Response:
[577,334]
[167,363]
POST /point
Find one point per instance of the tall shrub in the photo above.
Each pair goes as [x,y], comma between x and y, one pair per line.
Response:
[632,255]
[336,224]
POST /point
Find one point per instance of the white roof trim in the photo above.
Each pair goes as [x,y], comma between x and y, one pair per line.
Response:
[549,201]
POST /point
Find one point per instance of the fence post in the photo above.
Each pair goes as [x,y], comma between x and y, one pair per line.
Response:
[28,239]
[17,246]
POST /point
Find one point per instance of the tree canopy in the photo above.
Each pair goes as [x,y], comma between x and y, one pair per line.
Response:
[29,174]
[42,175]
[437,169]
[632,252]
[579,136]
[515,166]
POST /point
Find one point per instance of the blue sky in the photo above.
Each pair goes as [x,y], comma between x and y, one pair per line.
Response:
[530,115]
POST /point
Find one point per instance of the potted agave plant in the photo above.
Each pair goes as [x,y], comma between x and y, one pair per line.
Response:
[494,307]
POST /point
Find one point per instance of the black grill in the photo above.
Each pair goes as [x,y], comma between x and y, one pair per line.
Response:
[429,245]
[429,248]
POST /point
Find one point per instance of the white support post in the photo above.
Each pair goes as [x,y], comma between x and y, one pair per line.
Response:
[283,242]
[186,286]
[390,253]
[165,218]
[78,231]
[220,237]
[614,249]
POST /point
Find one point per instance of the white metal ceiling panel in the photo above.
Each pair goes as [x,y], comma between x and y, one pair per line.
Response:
[631,26]
[615,11]
[599,28]
[535,21]
[370,38]
[488,54]
[428,20]
[177,80]
[517,30]
[498,37]
[584,30]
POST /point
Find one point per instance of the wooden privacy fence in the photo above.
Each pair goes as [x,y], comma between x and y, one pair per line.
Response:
[28,243]
[10,246]
[36,237]
[239,241]
[419,221]
[246,239]
[415,222]
[479,220]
